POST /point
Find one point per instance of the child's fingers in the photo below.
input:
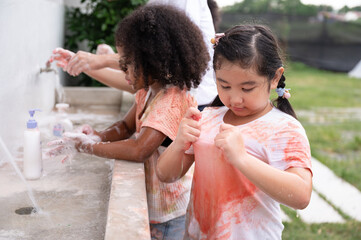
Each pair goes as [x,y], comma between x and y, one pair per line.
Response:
[192,137]
[57,50]
[225,126]
[74,135]
[86,129]
[63,52]
[104,49]
[71,63]
[192,131]
[225,133]
[219,142]
[189,125]
[79,67]
[193,113]
[62,64]
[55,151]
[56,142]
[65,159]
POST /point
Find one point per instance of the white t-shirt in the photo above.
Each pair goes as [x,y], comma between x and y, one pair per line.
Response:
[198,11]
[224,204]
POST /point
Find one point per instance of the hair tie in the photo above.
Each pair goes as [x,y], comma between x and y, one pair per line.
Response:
[283,92]
[215,40]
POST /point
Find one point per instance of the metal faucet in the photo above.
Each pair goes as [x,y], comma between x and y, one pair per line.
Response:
[48,68]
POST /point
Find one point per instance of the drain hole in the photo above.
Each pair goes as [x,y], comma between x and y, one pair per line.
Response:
[25,211]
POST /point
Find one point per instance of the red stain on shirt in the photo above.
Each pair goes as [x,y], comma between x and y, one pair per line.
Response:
[216,183]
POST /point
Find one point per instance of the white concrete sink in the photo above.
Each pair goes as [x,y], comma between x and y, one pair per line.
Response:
[89,198]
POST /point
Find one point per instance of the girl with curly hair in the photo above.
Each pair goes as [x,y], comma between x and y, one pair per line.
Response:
[163,55]
[103,66]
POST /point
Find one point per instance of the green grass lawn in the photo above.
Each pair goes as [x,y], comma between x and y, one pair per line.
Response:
[312,88]
[328,105]
[298,230]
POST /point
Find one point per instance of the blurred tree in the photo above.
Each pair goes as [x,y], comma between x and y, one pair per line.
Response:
[290,7]
[94,23]
[346,9]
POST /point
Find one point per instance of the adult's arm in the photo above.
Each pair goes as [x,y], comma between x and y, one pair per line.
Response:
[103,68]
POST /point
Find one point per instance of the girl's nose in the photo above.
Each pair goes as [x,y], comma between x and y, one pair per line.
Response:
[236,99]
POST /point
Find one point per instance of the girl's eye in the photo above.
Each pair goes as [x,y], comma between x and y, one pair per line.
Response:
[225,87]
[124,64]
[123,68]
[247,89]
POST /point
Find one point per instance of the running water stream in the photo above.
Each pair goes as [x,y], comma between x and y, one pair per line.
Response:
[13,163]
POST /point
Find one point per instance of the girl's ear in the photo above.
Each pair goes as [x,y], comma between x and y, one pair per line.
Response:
[277,77]
[150,80]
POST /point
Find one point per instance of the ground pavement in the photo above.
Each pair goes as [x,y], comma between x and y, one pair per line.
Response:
[338,193]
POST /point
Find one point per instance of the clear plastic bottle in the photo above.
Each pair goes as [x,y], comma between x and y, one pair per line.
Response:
[33,166]
[62,123]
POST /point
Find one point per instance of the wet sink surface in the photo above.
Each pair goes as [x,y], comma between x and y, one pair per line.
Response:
[73,196]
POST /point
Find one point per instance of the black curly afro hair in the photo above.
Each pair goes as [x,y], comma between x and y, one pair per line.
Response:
[163,44]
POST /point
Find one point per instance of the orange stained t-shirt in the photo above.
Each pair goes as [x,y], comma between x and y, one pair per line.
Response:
[224,204]
[165,200]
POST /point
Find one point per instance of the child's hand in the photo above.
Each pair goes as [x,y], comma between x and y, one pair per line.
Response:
[82,141]
[189,129]
[62,56]
[80,62]
[86,129]
[103,49]
[62,147]
[230,141]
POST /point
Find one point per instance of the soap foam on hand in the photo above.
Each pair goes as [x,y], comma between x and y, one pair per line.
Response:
[67,144]
[83,138]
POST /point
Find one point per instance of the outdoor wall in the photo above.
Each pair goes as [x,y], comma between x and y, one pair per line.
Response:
[29,31]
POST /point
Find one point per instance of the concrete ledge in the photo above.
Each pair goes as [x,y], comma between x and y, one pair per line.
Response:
[127,210]
[92,96]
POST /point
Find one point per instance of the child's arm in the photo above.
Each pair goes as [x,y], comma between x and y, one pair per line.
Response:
[292,187]
[122,129]
[115,143]
[174,163]
[138,150]
[103,68]
[111,77]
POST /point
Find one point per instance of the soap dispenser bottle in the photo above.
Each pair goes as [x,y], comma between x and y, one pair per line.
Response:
[32,167]
[62,122]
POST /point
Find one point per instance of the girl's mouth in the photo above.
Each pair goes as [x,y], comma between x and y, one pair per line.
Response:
[237,109]
[128,81]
